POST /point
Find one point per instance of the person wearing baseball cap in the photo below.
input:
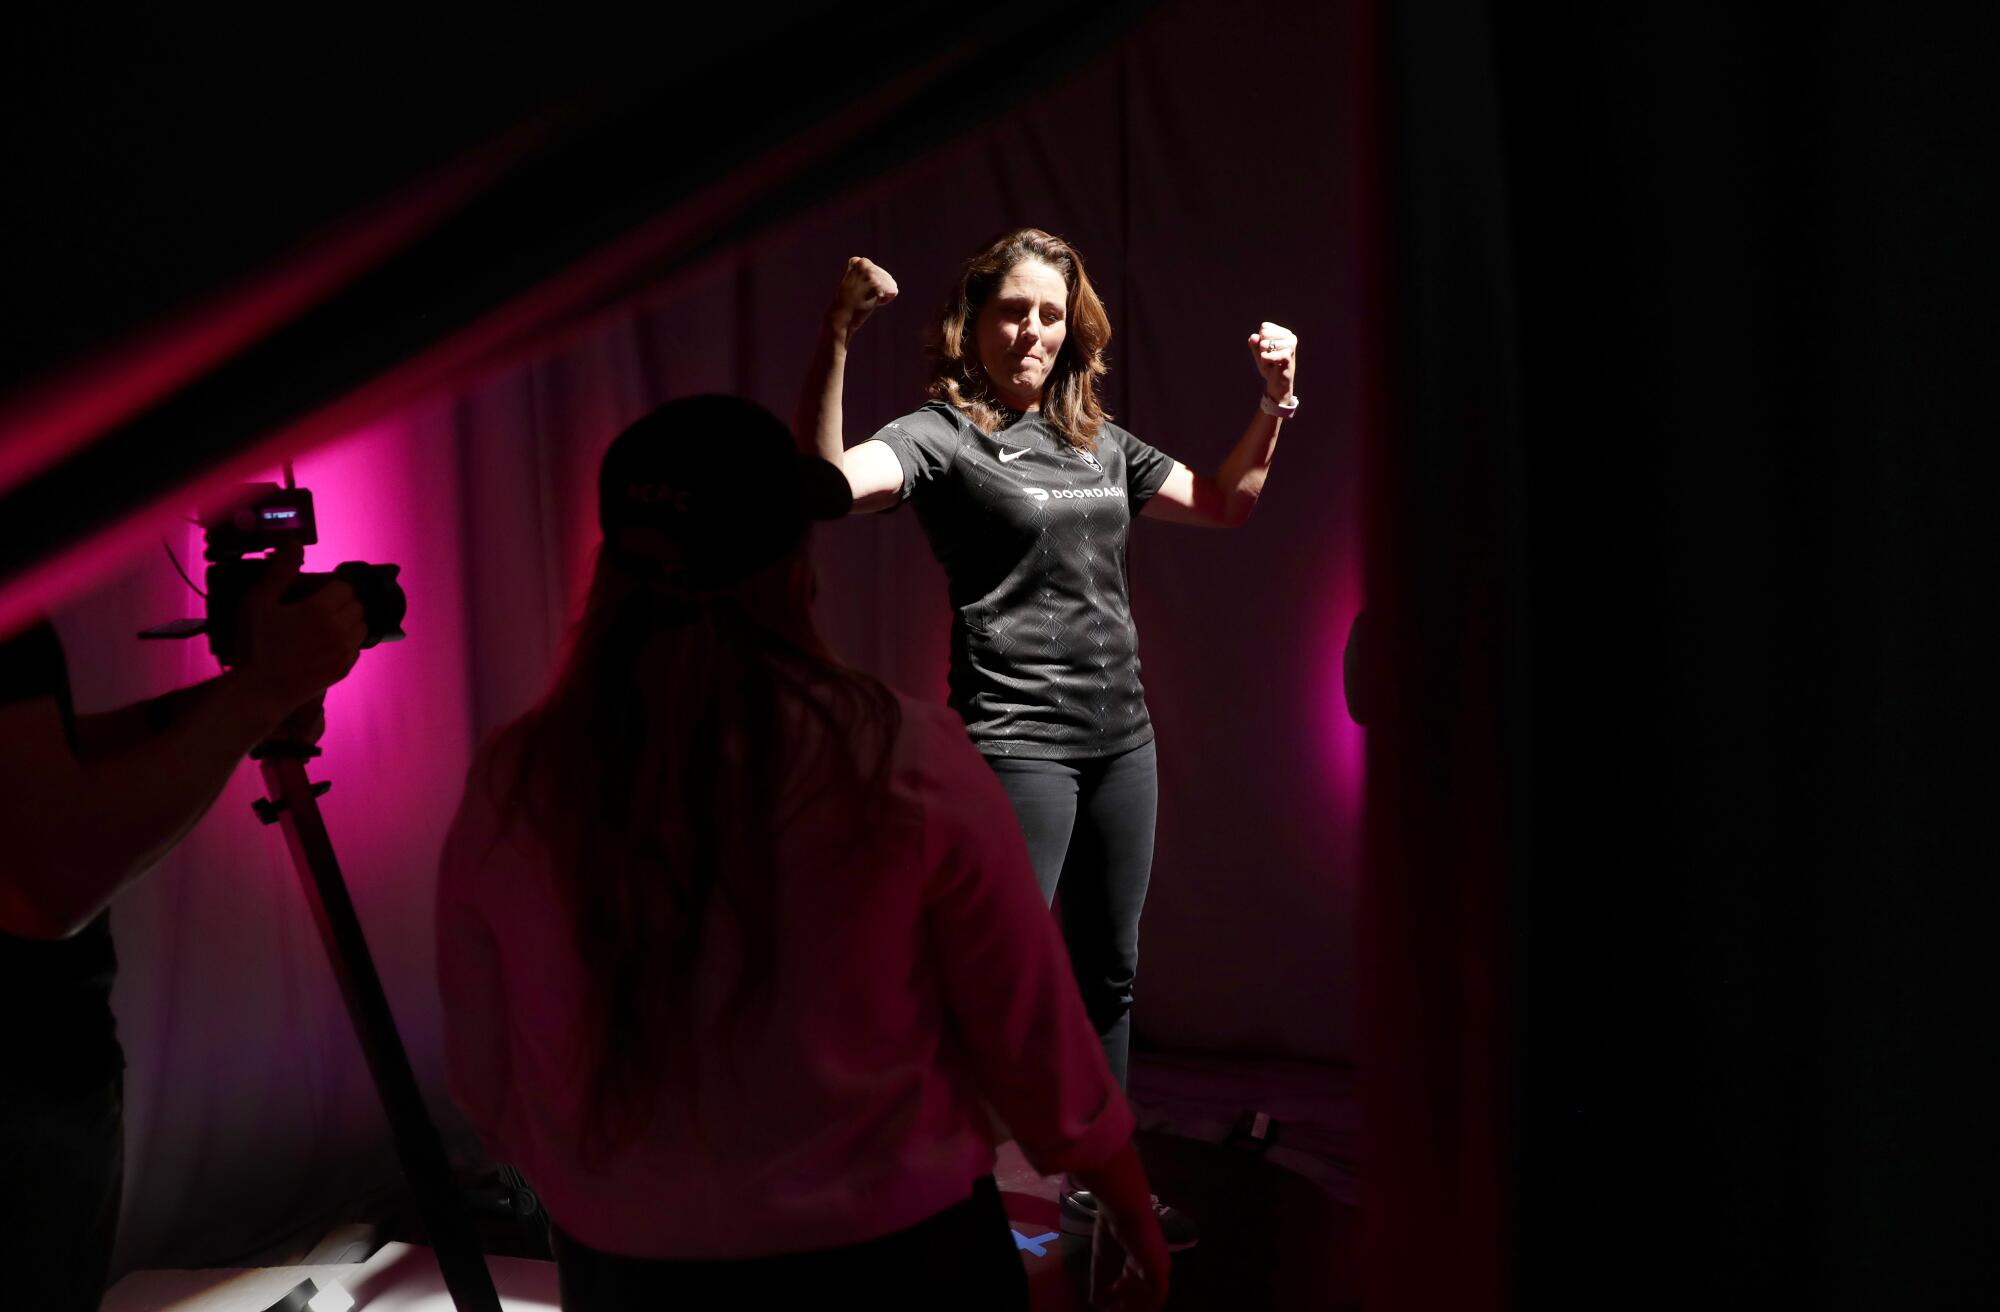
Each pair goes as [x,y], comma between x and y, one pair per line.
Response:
[737,945]
[705,492]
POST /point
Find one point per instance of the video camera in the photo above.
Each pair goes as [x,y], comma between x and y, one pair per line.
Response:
[256,518]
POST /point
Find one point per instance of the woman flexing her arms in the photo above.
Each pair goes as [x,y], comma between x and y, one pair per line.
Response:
[1026,492]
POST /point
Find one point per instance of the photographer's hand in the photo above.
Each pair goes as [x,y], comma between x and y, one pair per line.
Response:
[290,652]
[304,726]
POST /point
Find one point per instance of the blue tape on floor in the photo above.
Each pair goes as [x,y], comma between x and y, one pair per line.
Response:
[1037,1245]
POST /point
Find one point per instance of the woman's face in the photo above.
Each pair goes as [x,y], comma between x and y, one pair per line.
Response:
[1020,331]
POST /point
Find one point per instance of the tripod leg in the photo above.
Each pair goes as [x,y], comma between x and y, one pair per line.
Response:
[418,1144]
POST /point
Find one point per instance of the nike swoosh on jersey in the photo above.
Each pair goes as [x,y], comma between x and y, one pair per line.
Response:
[1014,454]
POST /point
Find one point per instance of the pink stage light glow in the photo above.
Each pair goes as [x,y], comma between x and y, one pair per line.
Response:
[1344,744]
[398,733]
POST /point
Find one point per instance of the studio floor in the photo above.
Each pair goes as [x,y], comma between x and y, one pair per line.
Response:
[1278,1218]
[1277,1212]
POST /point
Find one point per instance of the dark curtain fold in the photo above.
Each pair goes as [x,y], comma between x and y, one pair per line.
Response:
[1440,668]
[1694,423]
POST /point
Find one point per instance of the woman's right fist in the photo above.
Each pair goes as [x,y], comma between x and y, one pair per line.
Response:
[865,287]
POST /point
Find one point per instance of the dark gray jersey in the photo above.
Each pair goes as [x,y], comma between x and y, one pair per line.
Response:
[1031,533]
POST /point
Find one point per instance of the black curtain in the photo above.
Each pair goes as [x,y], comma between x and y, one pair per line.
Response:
[1695,429]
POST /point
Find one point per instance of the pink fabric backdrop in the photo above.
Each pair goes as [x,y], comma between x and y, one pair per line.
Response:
[1209,170]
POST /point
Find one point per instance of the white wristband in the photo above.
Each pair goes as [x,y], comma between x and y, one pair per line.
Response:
[1270,407]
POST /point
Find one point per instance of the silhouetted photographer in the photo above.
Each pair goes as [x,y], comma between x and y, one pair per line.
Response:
[89,803]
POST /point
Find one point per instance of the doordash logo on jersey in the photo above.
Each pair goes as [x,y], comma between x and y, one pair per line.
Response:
[1073,493]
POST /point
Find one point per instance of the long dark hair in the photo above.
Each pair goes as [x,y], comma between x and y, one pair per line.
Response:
[1069,395]
[681,735]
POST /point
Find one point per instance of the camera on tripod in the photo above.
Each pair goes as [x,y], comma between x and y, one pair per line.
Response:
[256,518]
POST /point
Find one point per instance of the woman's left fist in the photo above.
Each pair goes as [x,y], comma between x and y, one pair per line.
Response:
[1276,350]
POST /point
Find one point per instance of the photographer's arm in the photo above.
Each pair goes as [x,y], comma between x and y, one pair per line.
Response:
[106,733]
[79,830]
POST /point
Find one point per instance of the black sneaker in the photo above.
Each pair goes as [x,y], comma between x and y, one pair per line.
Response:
[1079,1217]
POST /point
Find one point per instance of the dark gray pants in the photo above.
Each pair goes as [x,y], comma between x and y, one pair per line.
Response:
[62,1174]
[1089,826]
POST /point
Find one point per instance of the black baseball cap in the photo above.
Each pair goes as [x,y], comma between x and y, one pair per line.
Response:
[708,490]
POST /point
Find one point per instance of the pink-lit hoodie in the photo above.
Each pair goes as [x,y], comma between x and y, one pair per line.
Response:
[917,980]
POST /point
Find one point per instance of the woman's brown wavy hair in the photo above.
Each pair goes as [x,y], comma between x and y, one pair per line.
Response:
[679,738]
[1069,395]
